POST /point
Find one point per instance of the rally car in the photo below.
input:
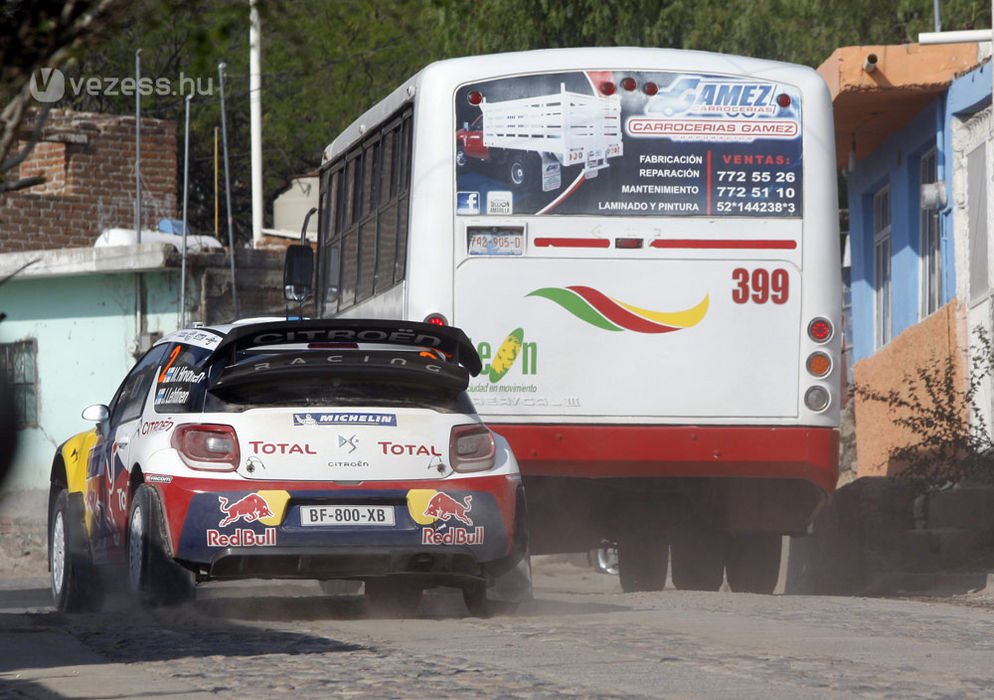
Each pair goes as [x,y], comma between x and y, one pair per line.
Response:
[320,449]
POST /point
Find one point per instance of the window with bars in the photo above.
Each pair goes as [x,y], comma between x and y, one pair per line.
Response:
[18,364]
[364,199]
[881,267]
[931,262]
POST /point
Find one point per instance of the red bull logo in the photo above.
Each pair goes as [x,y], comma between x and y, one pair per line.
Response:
[444,507]
[455,535]
[242,537]
[247,509]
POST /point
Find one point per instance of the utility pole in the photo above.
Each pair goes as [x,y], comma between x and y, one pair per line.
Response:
[255,119]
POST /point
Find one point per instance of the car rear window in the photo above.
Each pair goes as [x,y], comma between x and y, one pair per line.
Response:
[314,379]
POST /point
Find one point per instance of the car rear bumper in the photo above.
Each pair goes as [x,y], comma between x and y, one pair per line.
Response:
[453,528]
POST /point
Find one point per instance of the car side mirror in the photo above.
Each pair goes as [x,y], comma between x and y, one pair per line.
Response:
[97,413]
[298,266]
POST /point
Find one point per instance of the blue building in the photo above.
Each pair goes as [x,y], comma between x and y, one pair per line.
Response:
[913,141]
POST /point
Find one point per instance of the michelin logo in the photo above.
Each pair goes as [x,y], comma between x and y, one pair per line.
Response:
[344,419]
[467,202]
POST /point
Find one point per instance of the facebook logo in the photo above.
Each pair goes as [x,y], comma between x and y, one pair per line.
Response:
[467,202]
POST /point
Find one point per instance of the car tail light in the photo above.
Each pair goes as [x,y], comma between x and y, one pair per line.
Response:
[471,448]
[820,330]
[208,447]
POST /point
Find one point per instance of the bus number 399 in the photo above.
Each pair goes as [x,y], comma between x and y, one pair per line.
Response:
[760,286]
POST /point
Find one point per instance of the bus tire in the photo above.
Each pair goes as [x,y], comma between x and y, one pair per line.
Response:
[698,561]
[642,565]
[753,564]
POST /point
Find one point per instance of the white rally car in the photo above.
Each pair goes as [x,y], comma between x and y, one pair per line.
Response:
[321,449]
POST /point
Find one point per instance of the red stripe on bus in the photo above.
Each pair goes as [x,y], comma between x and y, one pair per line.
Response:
[600,451]
[727,243]
[572,243]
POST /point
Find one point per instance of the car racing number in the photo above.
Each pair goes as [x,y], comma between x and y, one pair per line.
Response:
[325,516]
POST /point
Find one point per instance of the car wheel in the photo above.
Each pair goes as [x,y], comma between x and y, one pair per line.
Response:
[391,596]
[641,565]
[153,576]
[74,580]
[698,561]
[753,564]
[475,597]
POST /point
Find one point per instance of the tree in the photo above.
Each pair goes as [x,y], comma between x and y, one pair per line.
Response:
[36,35]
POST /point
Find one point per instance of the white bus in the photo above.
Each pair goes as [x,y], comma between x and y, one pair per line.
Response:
[643,246]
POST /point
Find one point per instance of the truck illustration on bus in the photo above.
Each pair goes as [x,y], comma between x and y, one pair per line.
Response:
[529,136]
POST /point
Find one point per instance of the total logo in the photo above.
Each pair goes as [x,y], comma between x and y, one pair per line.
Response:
[281,448]
[507,353]
[397,448]
[439,512]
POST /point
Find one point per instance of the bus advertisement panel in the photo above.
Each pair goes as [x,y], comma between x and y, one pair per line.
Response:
[660,144]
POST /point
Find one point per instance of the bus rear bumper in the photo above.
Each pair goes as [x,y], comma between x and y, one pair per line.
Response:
[612,451]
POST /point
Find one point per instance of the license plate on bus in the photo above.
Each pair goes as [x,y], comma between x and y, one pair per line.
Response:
[496,242]
[330,516]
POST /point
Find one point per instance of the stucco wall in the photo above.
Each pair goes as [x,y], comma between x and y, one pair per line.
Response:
[82,327]
[940,336]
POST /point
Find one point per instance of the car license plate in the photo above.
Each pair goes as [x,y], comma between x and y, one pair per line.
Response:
[496,243]
[329,516]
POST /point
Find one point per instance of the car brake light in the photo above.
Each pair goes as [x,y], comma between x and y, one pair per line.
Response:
[436,320]
[471,448]
[207,447]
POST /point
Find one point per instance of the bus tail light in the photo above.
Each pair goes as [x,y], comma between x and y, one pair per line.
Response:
[650,88]
[608,88]
[471,448]
[817,398]
[475,97]
[819,364]
[207,447]
[820,330]
[628,243]
[436,320]
[628,84]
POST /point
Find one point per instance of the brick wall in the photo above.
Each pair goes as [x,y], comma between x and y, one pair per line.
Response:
[942,335]
[88,162]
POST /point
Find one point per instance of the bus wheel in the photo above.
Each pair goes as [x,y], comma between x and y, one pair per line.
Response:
[753,564]
[698,561]
[642,565]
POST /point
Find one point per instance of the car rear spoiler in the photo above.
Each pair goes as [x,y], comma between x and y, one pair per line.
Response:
[448,339]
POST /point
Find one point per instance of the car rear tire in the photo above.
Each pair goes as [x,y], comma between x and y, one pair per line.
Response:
[393,596]
[698,561]
[642,564]
[75,584]
[153,576]
[753,564]
[475,597]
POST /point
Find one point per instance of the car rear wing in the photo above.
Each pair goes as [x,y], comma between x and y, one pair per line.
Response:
[447,339]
